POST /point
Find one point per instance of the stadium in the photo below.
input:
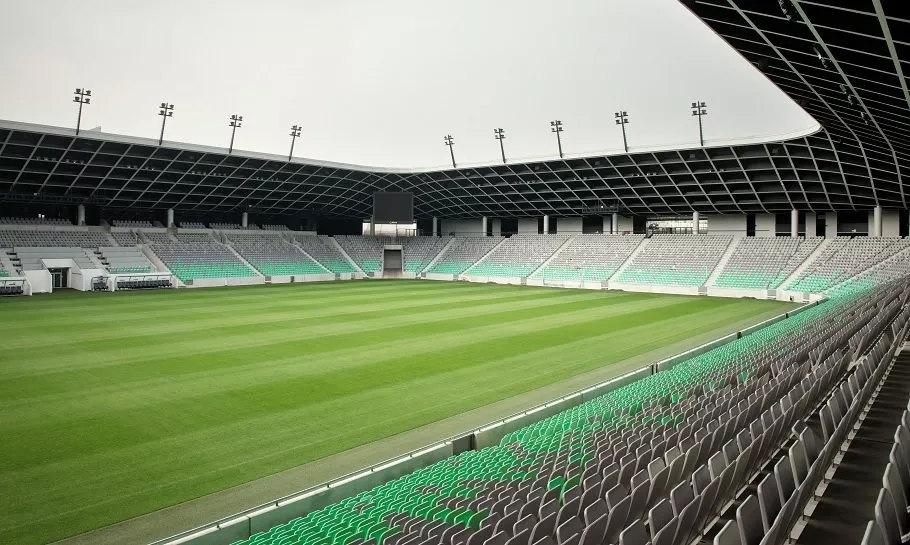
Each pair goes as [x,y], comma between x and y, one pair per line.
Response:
[699,344]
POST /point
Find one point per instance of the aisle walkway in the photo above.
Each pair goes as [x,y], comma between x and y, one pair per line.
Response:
[848,502]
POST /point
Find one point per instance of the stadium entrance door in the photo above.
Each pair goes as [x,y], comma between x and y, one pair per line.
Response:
[391,260]
[59,278]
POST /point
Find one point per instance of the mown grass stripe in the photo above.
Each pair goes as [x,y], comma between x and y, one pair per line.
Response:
[102,425]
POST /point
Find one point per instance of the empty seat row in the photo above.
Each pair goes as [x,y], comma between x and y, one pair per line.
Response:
[765,262]
[590,257]
[518,255]
[676,260]
[462,253]
[654,461]
[321,249]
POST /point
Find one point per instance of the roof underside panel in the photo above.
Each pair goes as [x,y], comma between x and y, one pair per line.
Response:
[843,62]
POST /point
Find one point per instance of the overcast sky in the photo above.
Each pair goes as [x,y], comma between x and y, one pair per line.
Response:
[380,82]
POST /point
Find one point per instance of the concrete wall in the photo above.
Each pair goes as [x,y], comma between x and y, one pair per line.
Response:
[625,224]
[40,281]
[810,224]
[461,227]
[727,224]
[891,223]
[527,225]
[567,225]
[764,225]
[830,224]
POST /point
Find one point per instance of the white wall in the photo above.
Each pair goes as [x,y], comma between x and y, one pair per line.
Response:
[40,281]
[727,224]
[830,224]
[496,224]
[764,225]
[567,225]
[891,223]
[461,227]
[527,225]
[625,224]
[810,224]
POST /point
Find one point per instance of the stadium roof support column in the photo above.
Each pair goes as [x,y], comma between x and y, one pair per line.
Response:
[435,226]
[80,214]
[546,224]
[170,217]
[794,223]
[483,226]
[372,226]
[830,224]
[877,221]
[244,220]
[614,224]
[695,220]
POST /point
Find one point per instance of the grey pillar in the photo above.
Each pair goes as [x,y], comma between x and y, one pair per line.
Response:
[794,223]
[483,226]
[546,225]
[695,219]
[614,225]
[170,217]
[877,221]
[435,226]
[372,226]
[244,220]
[80,214]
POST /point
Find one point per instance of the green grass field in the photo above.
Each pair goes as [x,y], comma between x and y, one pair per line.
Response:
[115,405]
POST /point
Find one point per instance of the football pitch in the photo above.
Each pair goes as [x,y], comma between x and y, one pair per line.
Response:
[115,405]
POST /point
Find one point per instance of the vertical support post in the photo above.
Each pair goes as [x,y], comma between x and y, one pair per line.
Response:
[794,223]
[435,226]
[546,224]
[372,226]
[244,220]
[614,225]
[483,226]
[80,215]
[877,221]
[695,221]
[170,217]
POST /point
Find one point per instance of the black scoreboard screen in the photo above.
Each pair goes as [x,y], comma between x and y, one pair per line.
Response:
[390,207]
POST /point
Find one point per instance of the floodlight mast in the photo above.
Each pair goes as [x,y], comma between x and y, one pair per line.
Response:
[235,123]
[500,135]
[622,118]
[166,111]
[556,126]
[449,141]
[698,110]
[83,96]
[295,133]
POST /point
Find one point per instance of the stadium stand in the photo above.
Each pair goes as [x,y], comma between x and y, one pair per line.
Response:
[321,249]
[366,251]
[156,237]
[462,253]
[132,224]
[274,227]
[676,260]
[844,258]
[418,252]
[192,225]
[273,256]
[201,260]
[34,221]
[666,459]
[126,238]
[518,255]
[194,237]
[765,262]
[229,226]
[10,238]
[594,257]
[124,260]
